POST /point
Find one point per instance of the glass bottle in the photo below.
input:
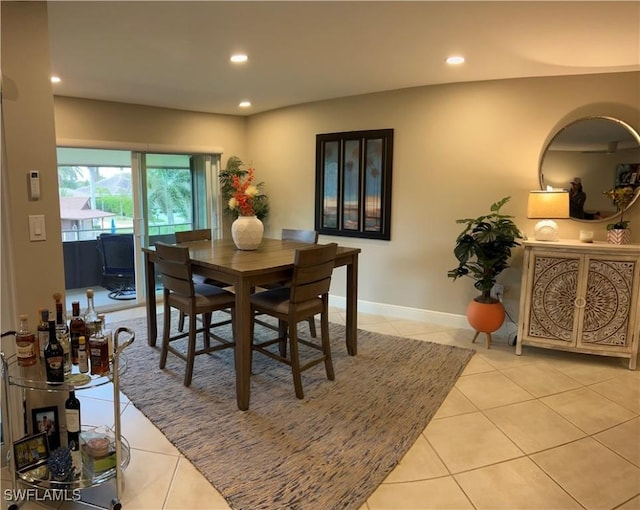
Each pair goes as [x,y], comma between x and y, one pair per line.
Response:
[54,356]
[26,344]
[62,331]
[43,331]
[107,333]
[98,351]
[90,315]
[83,357]
[76,330]
[72,417]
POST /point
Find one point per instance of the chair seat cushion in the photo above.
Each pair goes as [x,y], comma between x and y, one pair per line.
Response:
[206,297]
[277,300]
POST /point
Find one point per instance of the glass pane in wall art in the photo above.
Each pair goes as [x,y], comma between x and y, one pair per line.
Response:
[330,196]
[353,183]
[373,186]
[351,188]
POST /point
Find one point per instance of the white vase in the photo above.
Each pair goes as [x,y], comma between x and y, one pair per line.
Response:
[247,232]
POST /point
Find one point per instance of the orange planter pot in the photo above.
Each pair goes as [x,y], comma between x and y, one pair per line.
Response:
[485,317]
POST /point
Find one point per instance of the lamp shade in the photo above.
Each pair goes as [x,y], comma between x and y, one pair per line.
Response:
[548,204]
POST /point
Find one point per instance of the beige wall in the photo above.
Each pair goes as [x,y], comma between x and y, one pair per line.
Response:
[32,271]
[457,149]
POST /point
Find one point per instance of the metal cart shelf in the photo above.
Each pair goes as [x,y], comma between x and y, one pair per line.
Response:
[33,379]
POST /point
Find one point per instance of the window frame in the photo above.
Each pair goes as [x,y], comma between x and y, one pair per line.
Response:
[383,219]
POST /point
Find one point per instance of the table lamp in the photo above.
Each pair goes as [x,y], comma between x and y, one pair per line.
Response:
[547,206]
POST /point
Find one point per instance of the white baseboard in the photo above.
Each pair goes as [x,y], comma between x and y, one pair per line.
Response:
[416,314]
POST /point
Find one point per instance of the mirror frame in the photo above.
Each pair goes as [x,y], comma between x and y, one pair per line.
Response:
[621,123]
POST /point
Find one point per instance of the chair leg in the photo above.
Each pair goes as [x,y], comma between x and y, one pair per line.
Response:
[282,335]
[206,323]
[295,361]
[165,335]
[191,351]
[326,345]
[181,322]
[312,327]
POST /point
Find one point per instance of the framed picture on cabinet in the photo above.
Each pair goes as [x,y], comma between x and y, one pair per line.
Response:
[45,420]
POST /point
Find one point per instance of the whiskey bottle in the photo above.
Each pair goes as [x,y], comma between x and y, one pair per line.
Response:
[25,344]
[83,358]
[54,357]
[99,352]
[76,330]
[108,334]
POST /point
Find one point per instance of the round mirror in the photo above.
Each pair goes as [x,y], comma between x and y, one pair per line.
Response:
[590,156]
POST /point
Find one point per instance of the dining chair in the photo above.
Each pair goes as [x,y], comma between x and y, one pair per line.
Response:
[186,236]
[302,236]
[174,266]
[307,296]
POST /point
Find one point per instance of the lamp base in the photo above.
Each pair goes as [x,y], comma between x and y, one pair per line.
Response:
[546,230]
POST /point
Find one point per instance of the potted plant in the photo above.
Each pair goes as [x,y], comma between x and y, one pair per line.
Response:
[618,232]
[483,250]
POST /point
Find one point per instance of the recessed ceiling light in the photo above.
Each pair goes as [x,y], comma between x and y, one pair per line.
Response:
[455,60]
[245,104]
[55,79]
[238,58]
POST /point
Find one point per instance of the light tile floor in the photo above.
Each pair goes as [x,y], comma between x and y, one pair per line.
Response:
[546,430]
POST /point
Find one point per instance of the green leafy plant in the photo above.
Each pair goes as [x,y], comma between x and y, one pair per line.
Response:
[483,249]
[235,180]
[622,198]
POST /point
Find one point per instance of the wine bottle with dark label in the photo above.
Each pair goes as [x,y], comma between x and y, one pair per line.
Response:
[54,357]
[72,415]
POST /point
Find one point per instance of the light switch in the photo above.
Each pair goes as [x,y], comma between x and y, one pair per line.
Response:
[37,231]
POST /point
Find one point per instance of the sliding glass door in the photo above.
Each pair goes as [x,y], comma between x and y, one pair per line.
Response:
[137,197]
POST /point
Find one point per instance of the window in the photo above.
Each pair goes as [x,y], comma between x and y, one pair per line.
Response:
[353,183]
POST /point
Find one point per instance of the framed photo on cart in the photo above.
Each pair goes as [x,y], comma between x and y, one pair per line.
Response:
[31,452]
[45,420]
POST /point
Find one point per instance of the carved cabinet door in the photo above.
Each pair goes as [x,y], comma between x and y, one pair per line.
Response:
[554,291]
[608,302]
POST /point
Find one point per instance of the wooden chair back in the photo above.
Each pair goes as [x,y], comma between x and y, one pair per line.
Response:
[304,236]
[174,265]
[312,272]
[202,234]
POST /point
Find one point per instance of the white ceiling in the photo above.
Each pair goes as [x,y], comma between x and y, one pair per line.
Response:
[176,54]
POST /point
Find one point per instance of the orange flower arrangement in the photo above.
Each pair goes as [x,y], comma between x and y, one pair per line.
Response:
[241,195]
[244,194]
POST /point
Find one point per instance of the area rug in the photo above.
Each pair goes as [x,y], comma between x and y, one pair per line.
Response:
[328,451]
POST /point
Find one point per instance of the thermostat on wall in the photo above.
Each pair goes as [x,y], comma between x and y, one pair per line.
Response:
[34,184]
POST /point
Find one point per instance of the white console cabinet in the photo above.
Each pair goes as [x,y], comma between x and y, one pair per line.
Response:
[581,297]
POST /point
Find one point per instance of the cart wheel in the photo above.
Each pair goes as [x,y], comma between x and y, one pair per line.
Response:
[116,505]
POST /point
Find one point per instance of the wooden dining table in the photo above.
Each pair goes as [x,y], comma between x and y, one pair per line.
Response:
[220,260]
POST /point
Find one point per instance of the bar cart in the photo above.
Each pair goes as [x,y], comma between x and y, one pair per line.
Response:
[16,382]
